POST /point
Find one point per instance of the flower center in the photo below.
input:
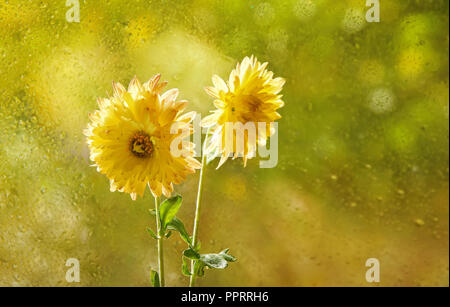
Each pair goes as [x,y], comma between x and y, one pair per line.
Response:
[141,145]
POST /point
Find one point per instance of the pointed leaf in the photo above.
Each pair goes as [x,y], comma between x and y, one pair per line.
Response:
[191,254]
[197,246]
[199,268]
[169,209]
[150,231]
[154,276]
[185,267]
[226,256]
[177,225]
[215,261]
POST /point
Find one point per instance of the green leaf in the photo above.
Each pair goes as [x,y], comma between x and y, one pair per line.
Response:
[185,267]
[197,246]
[191,254]
[177,225]
[168,234]
[199,268]
[226,256]
[169,209]
[215,261]
[154,277]
[150,231]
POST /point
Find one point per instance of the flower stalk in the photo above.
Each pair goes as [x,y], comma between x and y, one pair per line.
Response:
[197,210]
[160,244]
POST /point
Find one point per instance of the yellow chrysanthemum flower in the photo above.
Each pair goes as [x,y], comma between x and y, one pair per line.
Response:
[250,95]
[130,137]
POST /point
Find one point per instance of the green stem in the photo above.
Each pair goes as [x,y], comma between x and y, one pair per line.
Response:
[197,210]
[160,245]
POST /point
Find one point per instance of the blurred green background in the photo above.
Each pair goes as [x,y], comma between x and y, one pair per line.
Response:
[363,151]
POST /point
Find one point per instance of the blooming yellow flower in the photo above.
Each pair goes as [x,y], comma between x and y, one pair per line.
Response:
[250,95]
[130,137]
